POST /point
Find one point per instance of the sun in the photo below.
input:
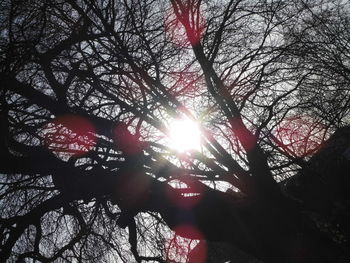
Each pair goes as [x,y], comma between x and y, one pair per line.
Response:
[185,135]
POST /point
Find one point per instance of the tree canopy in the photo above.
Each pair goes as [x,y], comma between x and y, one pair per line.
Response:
[90,169]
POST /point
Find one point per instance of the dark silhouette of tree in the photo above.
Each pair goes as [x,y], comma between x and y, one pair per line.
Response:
[88,92]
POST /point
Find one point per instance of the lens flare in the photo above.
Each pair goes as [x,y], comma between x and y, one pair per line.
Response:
[185,194]
[125,140]
[70,134]
[179,248]
[185,32]
[300,135]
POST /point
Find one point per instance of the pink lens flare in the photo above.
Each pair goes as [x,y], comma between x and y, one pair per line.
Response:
[185,193]
[179,248]
[300,135]
[185,30]
[125,140]
[133,190]
[70,134]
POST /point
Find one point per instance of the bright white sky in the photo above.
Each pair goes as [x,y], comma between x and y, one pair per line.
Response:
[184,135]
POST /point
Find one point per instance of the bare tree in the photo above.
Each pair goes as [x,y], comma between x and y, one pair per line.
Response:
[89,92]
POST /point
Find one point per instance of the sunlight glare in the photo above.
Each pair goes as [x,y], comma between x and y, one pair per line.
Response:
[184,135]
